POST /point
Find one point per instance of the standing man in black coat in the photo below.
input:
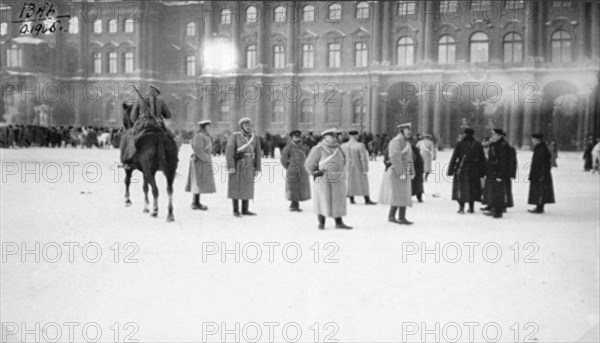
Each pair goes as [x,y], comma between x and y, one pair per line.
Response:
[497,171]
[541,190]
[512,168]
[467,165]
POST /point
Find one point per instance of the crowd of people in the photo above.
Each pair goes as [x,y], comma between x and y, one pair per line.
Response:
[25,136]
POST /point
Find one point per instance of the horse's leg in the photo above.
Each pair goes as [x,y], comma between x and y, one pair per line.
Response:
[152,181]
[128,173]
[146,202]
[170,179]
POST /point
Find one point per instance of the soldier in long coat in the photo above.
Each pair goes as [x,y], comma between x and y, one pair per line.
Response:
[357,168]
[201,178]
[243,156]
[396,189]
[428,153]
[417,187]
[326,163]
[297,181]
[512,167]
[541,189]
[467,165]
[497,171]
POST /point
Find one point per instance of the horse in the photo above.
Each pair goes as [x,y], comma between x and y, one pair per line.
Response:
[154,151]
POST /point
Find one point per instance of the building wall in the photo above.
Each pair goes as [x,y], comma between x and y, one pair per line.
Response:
[160,46]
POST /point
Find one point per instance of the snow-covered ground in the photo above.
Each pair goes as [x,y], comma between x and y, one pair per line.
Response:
[528,277]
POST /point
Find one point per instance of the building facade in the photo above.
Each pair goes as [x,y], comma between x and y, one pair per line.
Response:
[526,66]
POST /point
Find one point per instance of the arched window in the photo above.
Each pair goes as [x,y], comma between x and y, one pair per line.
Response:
[251,14]
[224,111]
[361,54]
[308,56]
[279,14]
[333,108]
[226,16]
[128,25]
[306,111]
[251,56]
[308,13]
[278,56]
[98,26]
[362,10]
[406,51]
[74,25]
[561,46]
[479,48]
[278,110]
[190,29]
[358,114]
[112,26]
[513,48]
[334,12]
[13,56]
[446,50]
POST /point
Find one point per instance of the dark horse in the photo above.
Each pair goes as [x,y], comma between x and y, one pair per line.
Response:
[154,151]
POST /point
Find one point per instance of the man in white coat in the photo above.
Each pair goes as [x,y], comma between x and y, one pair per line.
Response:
[396,184]
[428,152]
[326,162]
[357,164]
[201,177]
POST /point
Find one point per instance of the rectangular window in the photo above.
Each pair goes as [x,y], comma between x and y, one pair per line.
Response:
[128,57]
[447,54]
[308,56]
[190,65]
[112,63]
[128,25]
[361,54]
[97,63]
[514,4]
[13,57]
[334,58]
[406,7]
[278,57]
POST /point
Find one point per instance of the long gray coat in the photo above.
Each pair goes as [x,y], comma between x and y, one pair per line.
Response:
[201,177]
[297,179]
[394,191]
[241,172]
[357,166]
[329,190]
[428,152]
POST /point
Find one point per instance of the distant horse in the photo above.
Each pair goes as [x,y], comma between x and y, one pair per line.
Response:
[154,151]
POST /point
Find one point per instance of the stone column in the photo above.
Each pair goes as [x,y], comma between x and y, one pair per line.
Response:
[541,29]
[383,97]
[292,21]
[595,29]
[376,21]
[263,38]
[505,116]
[437,117]
[386,43]
[581,30]
[514,122]
[447,105]
[291,106]
[531,12]
[428,21]
[527,114]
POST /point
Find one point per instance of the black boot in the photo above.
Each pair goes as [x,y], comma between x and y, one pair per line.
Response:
[321,219]
[368,201]
[537,209]
[339,224]
[471,207]
[402,216]
[420,197]
[236,208]
[245,210]
[352,200]
[461,207]
[196,205]
[295,206]
[392,215]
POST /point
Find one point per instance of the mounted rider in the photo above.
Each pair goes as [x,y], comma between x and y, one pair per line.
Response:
[147,117]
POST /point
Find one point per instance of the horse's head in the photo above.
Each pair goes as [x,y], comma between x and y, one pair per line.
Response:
[127,123]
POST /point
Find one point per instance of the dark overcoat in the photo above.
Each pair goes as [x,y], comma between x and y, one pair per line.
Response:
[512,166]
[541,189]
[497,171]
[417,181]
[297,180]
[241,170]
[467,165]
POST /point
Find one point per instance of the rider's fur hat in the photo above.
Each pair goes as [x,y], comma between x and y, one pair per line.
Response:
[203,123]
[155,88]
[243,120]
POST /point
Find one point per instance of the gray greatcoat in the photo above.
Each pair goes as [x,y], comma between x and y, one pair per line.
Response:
[357,166]
[329,190]
[201,177]
[396,189]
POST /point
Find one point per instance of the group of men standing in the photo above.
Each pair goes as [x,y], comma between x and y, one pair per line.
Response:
[469,166]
